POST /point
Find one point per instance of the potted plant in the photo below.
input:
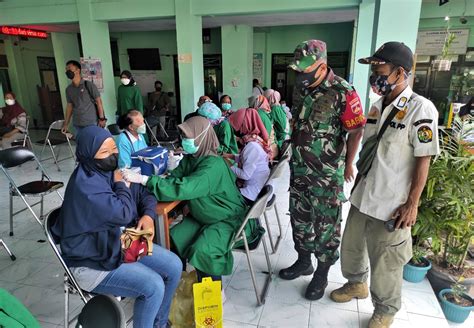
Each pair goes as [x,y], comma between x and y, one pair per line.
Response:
[445,219]
[456,303]
[416,269]
[444,64]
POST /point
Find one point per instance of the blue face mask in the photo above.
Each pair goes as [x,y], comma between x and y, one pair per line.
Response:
[226,106]
[189,145]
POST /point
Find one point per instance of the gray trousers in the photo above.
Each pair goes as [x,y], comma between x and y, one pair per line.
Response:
[366,239]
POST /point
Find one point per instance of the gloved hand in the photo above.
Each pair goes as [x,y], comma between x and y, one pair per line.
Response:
[134,177]
[173,161]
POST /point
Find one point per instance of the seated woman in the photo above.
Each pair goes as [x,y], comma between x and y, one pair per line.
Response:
[97,203]
[278,115]
[131,139]
[222,128]
[12,121]
[216,206]
[226,105]
[264,111]
[252,163]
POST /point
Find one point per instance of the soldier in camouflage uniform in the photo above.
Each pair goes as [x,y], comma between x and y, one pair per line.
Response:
[322,126]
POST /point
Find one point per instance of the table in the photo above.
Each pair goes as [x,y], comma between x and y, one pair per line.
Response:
[162,226]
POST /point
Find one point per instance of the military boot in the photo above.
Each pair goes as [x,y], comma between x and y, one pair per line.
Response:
[381,320]
[302,267]
[349,291]
[318,284]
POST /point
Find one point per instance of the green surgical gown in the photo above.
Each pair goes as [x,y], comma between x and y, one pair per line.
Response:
[278,117]
[217,210]
[226,137]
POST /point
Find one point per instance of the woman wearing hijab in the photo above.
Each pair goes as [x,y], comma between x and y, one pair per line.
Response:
[97,203]
[278,115]
[128,95]
[216,206]
[252,163]
[12,121]
[222,128]
[264,111]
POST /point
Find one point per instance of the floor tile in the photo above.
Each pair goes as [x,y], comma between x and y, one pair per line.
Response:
[326,316]
[241,306]
[422,303]
[234,324]
[279,314]
[417,320]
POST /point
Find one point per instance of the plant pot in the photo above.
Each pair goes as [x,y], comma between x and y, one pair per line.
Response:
[454,312]
[414,273]
[442,65]
[440,280]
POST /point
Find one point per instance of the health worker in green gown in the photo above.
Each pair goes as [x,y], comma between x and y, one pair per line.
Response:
[128,95]
[224,132]
[216,206]
[277,115]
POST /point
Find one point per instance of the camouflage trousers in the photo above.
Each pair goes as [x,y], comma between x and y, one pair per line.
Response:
[316,223]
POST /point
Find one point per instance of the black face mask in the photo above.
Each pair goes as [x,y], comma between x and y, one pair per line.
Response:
[304,80]
[107,164]
[70,74]
[158,89]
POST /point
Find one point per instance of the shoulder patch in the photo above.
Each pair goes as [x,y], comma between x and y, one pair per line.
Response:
[425,134]
[426,120]
[402,102]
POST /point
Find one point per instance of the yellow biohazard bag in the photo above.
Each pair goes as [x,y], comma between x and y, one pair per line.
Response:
[208,304]
[181,313]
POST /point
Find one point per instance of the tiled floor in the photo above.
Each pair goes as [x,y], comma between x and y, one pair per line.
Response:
[36,277]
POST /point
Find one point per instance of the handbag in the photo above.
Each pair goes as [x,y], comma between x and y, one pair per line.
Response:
[136,244]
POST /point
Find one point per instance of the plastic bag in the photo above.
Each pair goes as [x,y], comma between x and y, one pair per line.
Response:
[182,313]
[208,304]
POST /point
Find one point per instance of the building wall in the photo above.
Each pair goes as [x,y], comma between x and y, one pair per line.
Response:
[30,50]
[284,39]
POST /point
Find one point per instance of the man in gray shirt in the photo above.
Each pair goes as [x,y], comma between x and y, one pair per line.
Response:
[83,101]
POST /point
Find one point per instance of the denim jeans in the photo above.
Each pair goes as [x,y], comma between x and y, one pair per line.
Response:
[152,281]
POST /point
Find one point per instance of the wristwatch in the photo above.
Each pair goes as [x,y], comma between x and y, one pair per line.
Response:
[102,119]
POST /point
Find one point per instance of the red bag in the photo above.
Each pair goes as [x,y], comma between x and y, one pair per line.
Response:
[136,244]
[353,116]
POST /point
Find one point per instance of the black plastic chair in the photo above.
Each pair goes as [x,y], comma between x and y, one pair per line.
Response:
[255,213]
[114,129]
[17,156]
[71,286]
[4,245]
[55,137]
[102,311]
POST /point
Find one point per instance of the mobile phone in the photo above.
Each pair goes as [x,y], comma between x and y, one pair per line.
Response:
[390,225]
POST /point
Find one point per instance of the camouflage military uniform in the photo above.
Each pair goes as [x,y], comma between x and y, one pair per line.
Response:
[317,170]
[319,152]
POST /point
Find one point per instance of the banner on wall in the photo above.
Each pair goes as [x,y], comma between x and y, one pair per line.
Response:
[430,42]
[92,71]
[258,67]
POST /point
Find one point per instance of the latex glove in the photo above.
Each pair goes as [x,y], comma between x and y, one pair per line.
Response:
[133,177]
[173,161]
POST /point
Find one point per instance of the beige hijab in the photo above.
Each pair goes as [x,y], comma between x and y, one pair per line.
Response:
[207,141]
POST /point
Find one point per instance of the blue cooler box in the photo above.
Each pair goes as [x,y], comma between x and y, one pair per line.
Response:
[151,160]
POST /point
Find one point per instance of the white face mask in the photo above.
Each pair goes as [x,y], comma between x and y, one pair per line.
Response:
[10,102]
[125,81]
[141,129]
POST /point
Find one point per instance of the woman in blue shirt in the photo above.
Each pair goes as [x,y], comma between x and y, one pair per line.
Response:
[131,139]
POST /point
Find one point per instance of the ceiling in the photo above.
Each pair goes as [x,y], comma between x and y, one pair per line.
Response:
[280,19]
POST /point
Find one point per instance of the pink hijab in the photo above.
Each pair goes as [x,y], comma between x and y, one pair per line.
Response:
[262,103]
[273,96]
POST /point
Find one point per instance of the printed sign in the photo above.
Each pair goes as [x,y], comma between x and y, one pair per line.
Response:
[258,67]
[430,42]
[92,71]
